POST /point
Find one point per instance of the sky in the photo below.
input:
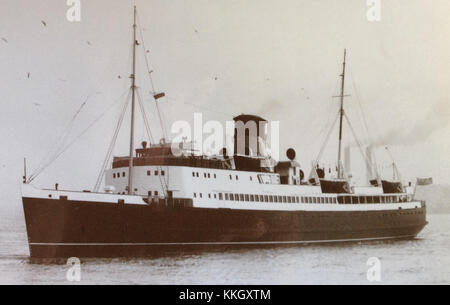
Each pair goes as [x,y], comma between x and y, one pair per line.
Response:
[277,59]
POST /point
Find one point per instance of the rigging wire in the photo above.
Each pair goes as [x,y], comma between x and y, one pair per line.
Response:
[366,125]
[164,184]
[53,154]
[144,117]
[160,115]
[62,137]
[112,145]
[322,149]
[56,156]
[368,163]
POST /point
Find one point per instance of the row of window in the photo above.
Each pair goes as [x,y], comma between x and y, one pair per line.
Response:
[149,173]
[205,175]
[150,193]
[256,198]
[373,199]
[208,175]
[307,199]
[117,175]
[156,173]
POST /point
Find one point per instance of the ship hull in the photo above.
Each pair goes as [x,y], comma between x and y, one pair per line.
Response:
[63,228]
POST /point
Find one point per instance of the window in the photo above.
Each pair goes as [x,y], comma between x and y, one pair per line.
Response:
[251,179]
[322,200]
[256,198]
[252,198]
[156,193]
[215,196]
[333,200]
[163,173]
[114,175]
[231,178]
[237,177]
[220,196]
[247,198]
[204,175]
[275,198]
[209,195]
[241,197]
[270,198]
[261,198]
[193,174]
[215,176]
[123,174]
[226,197]
[297,199]
[209,175]
[195,195]
[236,197]
[156,173]
[149,173]
[231,196]
[196,174]
[150,193]
[201,195]
[266,198]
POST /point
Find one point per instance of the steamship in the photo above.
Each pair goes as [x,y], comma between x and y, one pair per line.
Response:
[157,200]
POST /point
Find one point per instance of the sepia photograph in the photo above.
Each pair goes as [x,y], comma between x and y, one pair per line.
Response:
[225,149]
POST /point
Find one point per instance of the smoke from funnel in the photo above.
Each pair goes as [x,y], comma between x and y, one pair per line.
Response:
[436,118]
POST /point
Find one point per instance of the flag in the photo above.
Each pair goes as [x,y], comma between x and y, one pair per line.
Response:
[424,181]
[159,95]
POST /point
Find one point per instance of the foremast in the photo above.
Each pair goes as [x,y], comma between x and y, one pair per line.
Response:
[341,117]
[133,94]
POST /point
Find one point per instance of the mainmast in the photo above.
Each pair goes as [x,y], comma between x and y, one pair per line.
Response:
[340,174]
[133,89]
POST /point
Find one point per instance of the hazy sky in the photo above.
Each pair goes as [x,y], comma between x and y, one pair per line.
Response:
[277,59]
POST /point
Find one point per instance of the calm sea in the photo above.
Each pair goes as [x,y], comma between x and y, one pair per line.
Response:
[425,260]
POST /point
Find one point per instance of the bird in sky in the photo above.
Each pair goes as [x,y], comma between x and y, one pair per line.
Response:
[44,23]
[37,104]
[5,40]
[89,43]
[28,75]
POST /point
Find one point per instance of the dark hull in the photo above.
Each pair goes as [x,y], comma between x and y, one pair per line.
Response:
[60,229]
